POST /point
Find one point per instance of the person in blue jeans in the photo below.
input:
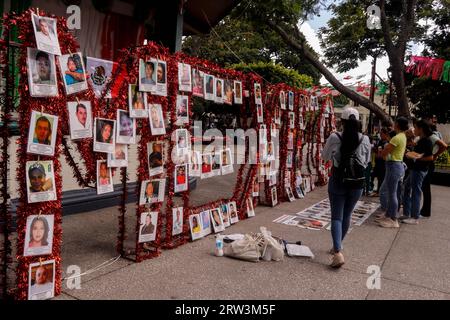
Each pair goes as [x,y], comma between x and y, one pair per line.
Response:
[418,161]
[393,152]
[342,198]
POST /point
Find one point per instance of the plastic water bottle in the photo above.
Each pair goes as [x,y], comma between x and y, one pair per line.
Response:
[219,246]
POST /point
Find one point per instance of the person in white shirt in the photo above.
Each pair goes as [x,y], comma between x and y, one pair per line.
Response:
[42,283]
[81,116]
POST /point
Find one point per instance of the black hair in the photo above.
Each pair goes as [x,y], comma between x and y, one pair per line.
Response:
[402,123]
[42,54]
[163,67]
[384,130]
[425,126]
[80,105]
[350,135]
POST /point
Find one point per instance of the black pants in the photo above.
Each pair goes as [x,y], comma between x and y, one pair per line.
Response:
[426,189]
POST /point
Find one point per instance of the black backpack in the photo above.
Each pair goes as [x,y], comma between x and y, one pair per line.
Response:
[351,171]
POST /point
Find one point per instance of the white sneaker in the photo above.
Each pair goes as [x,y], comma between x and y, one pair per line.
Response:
[410,221]
[388,223]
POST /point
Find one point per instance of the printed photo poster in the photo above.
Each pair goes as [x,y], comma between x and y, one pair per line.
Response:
[289,159]
[137,102]
[292,120]
[177,221]
[277,116]
[227,161]
[152,191]
[291,100]
[258,93]
[42,133]
[237,92]
[287,178]
[184,77]
[301,123]
[219,91]
[156,157]
[161,79]
[272,179]
[156,120]
[80,119]
[41,280]
[290,194]
[217,220]
[195,226]
[250,209]
[100,74]
[259,113]
[195,164]
[38,235]
[273,130]
[46,34]
[181,178]
[225,215]
[126,131]
[182,142]
[307,184]
[290,144]
[198,78]
[40,177]
[73,72]
[149,225]
[205,222]
[210,87]
[147,75]
[314,103]
[283,100]
[118,159]
[206,166]
[255,190]
[270,155]
[104,135]
[228,95]
[41,69]
[262,133]
[273,192]
[182,110]
[104,178]
[216,162]
[232,209]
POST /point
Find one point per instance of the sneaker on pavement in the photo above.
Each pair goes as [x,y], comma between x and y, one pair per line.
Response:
[424,217]
[410,221]
[338,260]
[404,217]
[388,223]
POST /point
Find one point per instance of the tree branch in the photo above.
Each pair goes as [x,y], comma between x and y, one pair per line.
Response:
[295,44]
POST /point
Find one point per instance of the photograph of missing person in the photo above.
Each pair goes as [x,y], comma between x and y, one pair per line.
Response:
[259,113]
[237,92]
[40,181]
[152,191]
[104,135]
[161,79]
[210,88]
[137,102]
[314,103]
[184,77]
[149,225]
[182,110]
[232,210]
[255,190]
[290,194]
[41,73]
[126,131]
[181,178]
[228,95]
[147,75]
[289,159]
[46,34]
[272,179]
[41,280]
[283,100]
[219,91]
[182,141]
[119,158]
[42,133]
[273,130]
[216,162]
[227,161]
[104,178]
[197,83]
[258,93]
[100,74]
[80,119]
[249,207]
[73,72]
[205,222]
[156,120]
[292,120]
[301,123]
[39,235]
[262,134]
[217,220]
[290,144]
[195,160]
[273,193]
[225,214]
[270,156]
[291,100]
[206,165]
[177,221]
[195,226]
[155,151]
[277,115]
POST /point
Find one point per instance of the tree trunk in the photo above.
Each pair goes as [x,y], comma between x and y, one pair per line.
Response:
[297,45]
[398,78]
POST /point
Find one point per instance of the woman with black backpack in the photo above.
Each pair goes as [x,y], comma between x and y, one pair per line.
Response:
[350,152]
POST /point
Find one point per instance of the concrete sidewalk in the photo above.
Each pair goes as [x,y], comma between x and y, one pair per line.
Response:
[414,261]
